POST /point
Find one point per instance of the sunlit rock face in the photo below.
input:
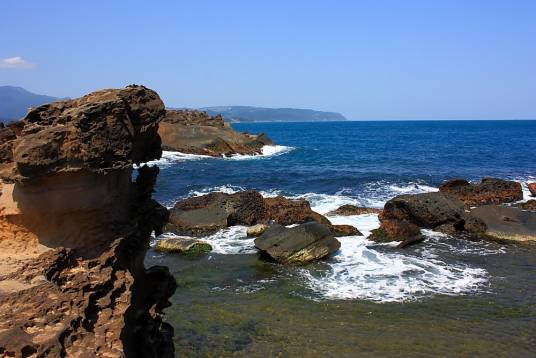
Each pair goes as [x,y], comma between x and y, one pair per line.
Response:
[75,227]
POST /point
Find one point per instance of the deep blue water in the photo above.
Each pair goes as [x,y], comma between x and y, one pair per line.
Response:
[369,161]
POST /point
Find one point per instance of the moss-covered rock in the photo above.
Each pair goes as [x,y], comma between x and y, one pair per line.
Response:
[183,245]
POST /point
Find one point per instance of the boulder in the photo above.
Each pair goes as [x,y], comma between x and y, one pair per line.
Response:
[397,230]
[204,215]
[195,132]
[507,224]
[183,245]
[427,210]
[348,210]
[297,245]
[287,211]
[532,188]
[488,191]
[256,230]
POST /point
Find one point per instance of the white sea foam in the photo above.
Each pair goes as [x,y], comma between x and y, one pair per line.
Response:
[362,270]
[266,152]
[170,158]
[231,241]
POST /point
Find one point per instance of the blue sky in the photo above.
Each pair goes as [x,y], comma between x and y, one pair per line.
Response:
[366,59]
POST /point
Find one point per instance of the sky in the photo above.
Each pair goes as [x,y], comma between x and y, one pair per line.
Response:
[378,59]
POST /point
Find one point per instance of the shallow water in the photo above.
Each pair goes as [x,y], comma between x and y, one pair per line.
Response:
[445,297]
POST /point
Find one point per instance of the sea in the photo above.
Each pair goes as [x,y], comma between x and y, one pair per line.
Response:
[444,297]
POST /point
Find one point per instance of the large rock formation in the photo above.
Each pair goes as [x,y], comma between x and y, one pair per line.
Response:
[488,191]
[204,215]
[195,132]
[297,245]
[74,229]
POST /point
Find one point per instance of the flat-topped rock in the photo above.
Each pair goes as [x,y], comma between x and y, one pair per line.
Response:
[183,245]
[297,245]
[507,224]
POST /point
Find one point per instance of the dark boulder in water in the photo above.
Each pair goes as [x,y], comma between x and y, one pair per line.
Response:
[297,245]
[397,230]
[427,210]
[203,215]
[288,211]
[507,224]
[488,191]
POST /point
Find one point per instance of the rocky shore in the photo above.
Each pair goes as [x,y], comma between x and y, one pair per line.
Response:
[195,132]
[482,211]
[75,227]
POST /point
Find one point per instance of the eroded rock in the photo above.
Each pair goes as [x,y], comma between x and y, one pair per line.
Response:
[488,191]
[74,230]
[195,132]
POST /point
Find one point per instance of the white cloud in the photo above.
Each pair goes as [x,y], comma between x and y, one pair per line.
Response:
[15,62]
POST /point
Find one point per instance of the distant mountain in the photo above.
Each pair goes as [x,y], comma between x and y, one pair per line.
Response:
[15,101]
[259,114]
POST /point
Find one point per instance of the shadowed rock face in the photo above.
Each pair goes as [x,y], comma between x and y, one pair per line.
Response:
[195,132]
[488,191]
[74,230]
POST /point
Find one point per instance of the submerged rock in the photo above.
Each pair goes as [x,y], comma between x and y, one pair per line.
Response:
[256,230]
[488,191]
[183,245]
[297,245]
[348,210]
[74,230]
[507,224]
[195,132]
